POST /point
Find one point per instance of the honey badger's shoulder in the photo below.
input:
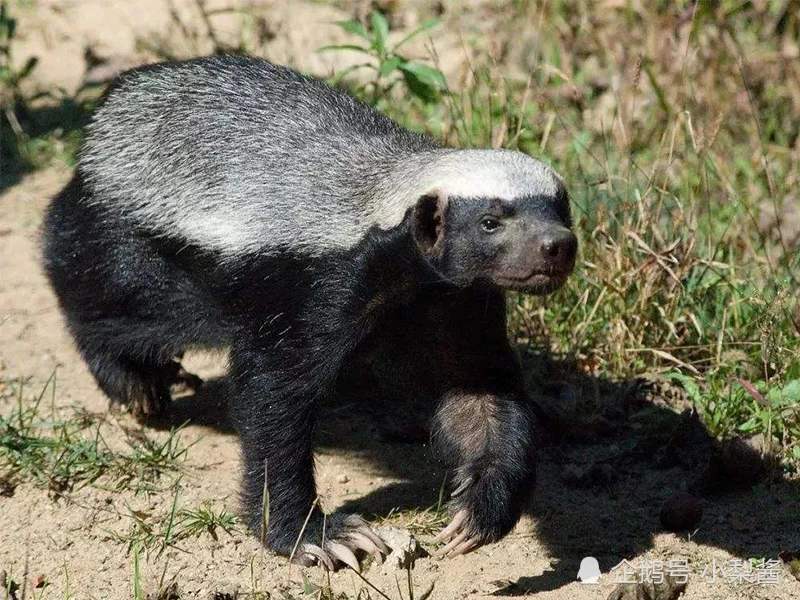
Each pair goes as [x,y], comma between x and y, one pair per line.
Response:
[235,154]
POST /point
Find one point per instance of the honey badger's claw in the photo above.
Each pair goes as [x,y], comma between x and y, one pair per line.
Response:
[464,547]
[362,528]
[457,538]
[365,543]
[190,380]
[315,553]
[347,536]
[343,554]
[456,541]
[448,532]
[178,376]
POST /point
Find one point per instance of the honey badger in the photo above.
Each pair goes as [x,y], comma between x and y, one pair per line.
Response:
[230,202]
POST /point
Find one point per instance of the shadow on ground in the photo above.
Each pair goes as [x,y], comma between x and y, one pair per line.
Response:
[611,453]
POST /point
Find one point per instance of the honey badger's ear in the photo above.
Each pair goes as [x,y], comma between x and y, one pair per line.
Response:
[428,226]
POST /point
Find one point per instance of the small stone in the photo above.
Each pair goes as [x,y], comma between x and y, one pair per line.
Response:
[343,478]
[681,512]
[405,548]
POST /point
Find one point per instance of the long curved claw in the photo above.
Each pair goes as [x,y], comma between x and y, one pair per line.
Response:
[363,542]
[457,537]
[347,536]
[304,560]
[365,530]
[315,552]
[463,548]
[448,532]
[343,554]
[452,544]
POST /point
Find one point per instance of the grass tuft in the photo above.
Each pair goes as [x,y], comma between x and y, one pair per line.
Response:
[64,450]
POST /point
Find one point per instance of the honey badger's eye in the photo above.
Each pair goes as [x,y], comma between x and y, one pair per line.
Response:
[490,224]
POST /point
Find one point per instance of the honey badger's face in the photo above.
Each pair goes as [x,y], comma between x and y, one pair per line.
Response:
[522,243]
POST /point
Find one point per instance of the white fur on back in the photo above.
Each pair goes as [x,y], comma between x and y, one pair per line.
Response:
[240,156]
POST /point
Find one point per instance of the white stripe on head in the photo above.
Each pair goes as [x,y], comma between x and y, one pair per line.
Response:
[502,174]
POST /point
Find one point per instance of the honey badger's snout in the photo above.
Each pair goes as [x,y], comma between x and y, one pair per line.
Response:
[539,261]
[555,250]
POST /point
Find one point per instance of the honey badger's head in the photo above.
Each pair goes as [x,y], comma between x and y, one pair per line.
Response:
[498,217]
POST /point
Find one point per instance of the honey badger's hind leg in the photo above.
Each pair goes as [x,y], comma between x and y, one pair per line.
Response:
[137,376]
[130,311]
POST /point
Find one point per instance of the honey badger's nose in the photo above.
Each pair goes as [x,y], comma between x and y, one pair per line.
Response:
[558,247]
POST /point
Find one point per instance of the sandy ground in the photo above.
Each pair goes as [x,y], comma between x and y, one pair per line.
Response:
[75,542]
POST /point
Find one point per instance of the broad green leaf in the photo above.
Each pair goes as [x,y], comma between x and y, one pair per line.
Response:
[390,65]
[419,88]
[427,75]
[380,31]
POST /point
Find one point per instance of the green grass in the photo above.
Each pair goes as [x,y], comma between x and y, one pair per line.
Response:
[63,450]
[154,531]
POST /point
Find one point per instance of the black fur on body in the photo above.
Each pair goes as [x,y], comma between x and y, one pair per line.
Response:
[300,296]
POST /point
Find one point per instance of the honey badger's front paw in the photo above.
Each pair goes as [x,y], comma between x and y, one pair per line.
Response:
[485,509]
[344,536]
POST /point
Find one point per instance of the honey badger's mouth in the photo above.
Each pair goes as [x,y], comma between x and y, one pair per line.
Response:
[539,281]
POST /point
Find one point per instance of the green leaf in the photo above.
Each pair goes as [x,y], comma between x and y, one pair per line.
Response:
[429,76]
[689,384]
[380,31]
[352,47]
[791,392]
[419,88]
[354,27]
[340,75]
[309,587]
[390,65]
